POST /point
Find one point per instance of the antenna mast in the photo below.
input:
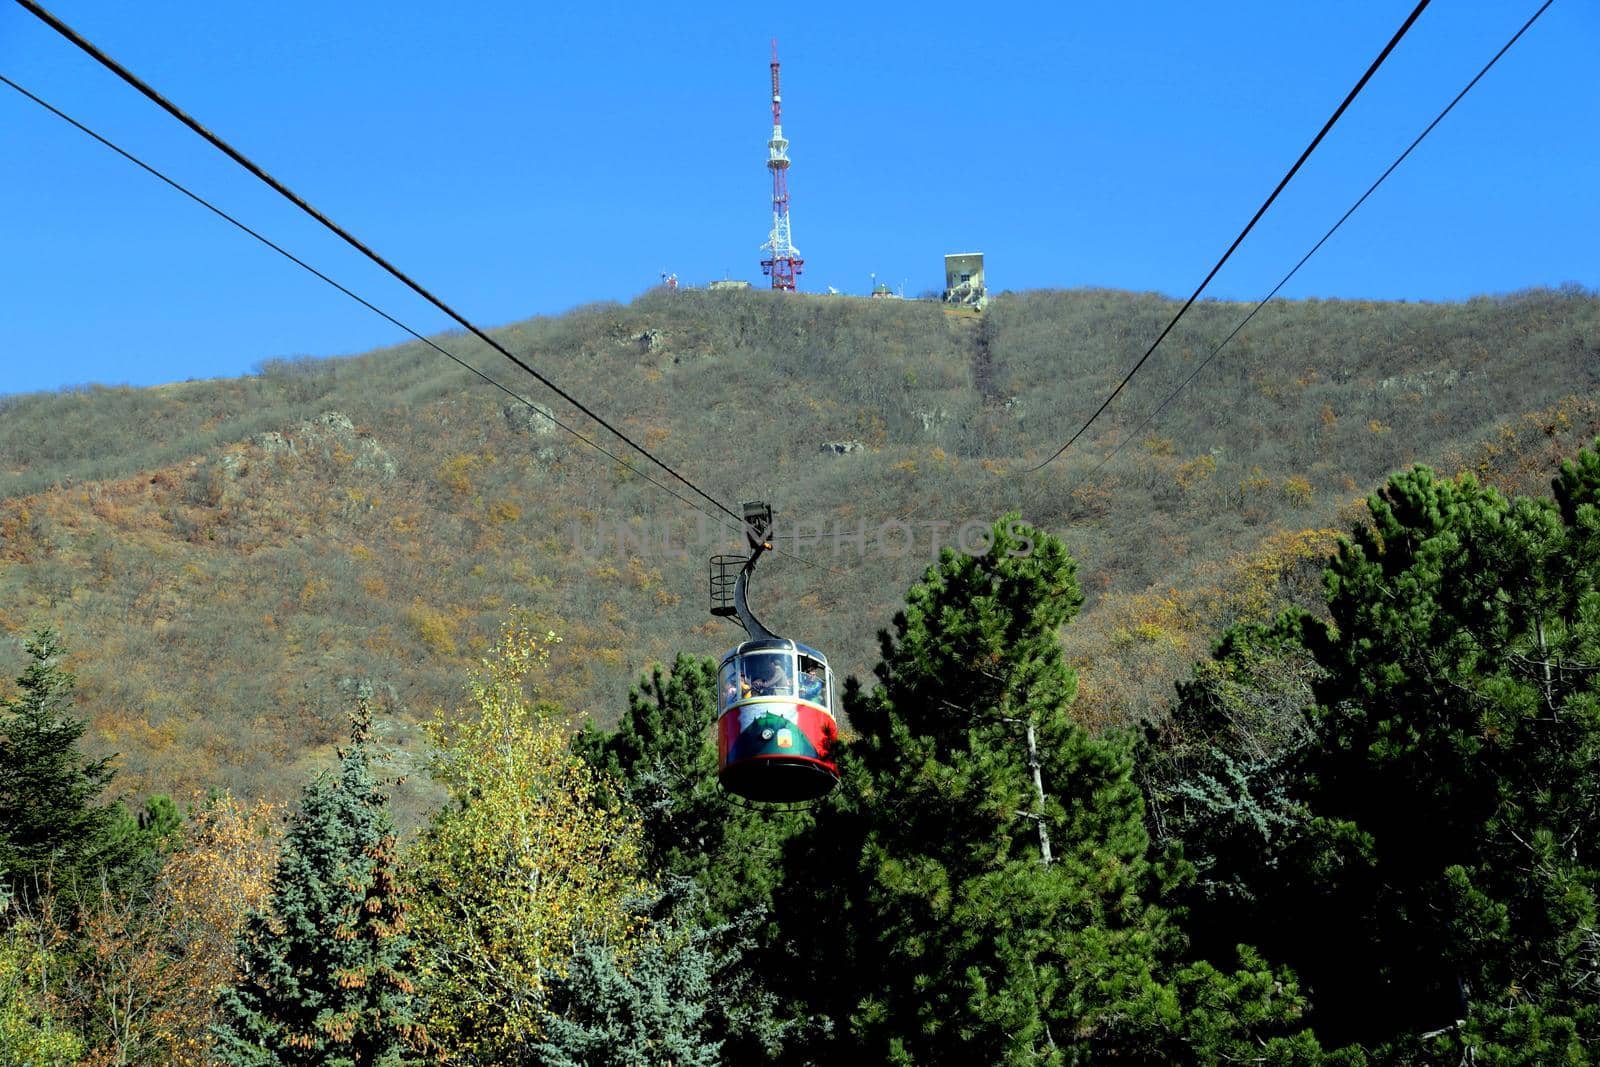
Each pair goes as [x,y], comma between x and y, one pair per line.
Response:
[785,263]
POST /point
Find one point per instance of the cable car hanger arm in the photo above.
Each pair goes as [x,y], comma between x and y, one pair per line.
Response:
[757,529]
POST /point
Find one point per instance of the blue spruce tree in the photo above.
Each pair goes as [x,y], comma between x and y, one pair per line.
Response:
[324,971]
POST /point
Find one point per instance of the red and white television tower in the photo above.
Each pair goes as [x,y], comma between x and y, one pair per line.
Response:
[785,263]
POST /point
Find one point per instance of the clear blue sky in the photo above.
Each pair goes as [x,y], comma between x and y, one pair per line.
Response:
[522,159]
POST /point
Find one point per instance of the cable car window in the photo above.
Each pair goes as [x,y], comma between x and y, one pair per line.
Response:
[769,674]
[813,680]
[728,685]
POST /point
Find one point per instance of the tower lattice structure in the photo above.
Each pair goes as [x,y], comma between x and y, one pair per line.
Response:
[784,264]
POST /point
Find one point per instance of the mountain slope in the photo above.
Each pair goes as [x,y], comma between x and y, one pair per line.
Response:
[234,561]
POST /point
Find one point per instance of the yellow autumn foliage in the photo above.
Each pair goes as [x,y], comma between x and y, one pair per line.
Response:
[153,963]
[433,627]
[223,870]
[526,861]
[33,1013]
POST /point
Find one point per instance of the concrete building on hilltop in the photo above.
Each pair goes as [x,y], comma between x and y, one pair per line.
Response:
[963,279]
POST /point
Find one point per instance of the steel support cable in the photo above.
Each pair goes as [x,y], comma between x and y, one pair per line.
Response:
[238,157]
[1316,247]
[297,261]
[1262,210]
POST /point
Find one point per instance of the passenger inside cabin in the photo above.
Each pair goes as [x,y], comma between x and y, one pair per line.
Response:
[769,676]
[812,681]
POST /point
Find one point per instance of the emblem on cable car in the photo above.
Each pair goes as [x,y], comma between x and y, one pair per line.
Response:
[775,725]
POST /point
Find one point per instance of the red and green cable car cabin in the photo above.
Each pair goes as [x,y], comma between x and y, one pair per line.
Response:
[775,725]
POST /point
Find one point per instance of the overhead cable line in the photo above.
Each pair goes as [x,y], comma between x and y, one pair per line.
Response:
[238,157]
[291,257]
[1262,210]
[1316,247]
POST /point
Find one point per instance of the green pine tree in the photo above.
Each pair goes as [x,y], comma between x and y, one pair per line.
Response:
[53,831]
[1220,775]
[1435,864]
[1001,910]
[661,757]
[665,760]
[325,976]
[1458,758]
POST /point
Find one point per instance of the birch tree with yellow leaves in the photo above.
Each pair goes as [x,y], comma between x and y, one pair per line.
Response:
[528,860]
